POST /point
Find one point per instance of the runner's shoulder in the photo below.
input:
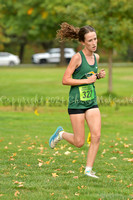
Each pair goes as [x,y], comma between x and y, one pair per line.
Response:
[76,58]
[97,57]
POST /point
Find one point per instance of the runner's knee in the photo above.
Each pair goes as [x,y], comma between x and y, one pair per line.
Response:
[79,142]
[96,137]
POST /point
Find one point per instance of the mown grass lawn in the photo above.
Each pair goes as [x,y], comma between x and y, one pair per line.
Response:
[46,82]
[31,170]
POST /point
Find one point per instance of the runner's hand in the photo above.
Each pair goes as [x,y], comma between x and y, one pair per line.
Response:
[102,73]
[92,79]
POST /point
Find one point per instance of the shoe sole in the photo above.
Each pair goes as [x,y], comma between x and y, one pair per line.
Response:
[53,136]
[92,176]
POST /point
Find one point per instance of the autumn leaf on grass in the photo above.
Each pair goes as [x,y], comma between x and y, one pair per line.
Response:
[113,158]
[129,185]
[130,160]
[75,177]
[74,161]
[54,175]
[70,172]
[67,152]
[16,193]
[57,169]
[12,157]
[77,194]
[10,143]
[47,162]
[126,145]
[110,176]
[70,148]
[40,164]
[20,184]
[81,169]
[131,151]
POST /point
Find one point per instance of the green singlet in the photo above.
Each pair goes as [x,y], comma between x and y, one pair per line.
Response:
[83,96]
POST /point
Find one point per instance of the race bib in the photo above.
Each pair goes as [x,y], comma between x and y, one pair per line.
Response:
[86,92]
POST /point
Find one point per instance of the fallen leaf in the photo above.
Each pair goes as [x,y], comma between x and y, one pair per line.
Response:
[57,169]
[125,158]
[73,161]
[129,185]
[77,194]
[16,193]
[14,154]
[82,152]
[113,158]
[54,175]
[21,185]
[47,162]
[75,177]
[126,145]
[130,160]
[28,165]
[40,164]
[131,151]
[67,152]
[70,172]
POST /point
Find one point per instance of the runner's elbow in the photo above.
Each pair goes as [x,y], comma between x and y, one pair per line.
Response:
[64,81]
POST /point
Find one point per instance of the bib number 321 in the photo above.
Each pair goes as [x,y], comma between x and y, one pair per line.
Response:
[86,92]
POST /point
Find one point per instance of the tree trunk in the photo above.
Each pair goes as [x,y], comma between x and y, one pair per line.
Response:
[21,51]
[110,70]
[62,58]
[47,45]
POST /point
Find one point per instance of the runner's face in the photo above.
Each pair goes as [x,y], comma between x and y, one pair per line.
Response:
[90,41]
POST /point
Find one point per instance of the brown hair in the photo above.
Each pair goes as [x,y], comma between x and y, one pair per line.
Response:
[68,31]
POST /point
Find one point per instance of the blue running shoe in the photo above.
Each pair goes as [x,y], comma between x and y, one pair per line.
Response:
[91,174]
[55,138]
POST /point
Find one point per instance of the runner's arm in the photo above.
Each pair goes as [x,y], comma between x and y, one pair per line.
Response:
[67,78]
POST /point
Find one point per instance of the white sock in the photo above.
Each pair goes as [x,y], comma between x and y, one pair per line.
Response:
[60,134]
[88,169]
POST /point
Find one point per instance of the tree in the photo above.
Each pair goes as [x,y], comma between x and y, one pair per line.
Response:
[37,20]
[113,21]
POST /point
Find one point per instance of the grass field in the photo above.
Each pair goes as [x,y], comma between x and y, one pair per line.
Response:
[31,170]
[29,82]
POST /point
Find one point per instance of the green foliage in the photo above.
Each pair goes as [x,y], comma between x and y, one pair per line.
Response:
[39,20]
[113,21]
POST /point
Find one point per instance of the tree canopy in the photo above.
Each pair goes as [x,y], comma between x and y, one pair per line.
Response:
[38,21]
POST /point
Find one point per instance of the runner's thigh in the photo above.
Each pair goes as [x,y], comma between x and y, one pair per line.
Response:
[78,125]
[93,119]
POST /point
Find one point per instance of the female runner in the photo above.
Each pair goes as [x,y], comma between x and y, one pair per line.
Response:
[81,74]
